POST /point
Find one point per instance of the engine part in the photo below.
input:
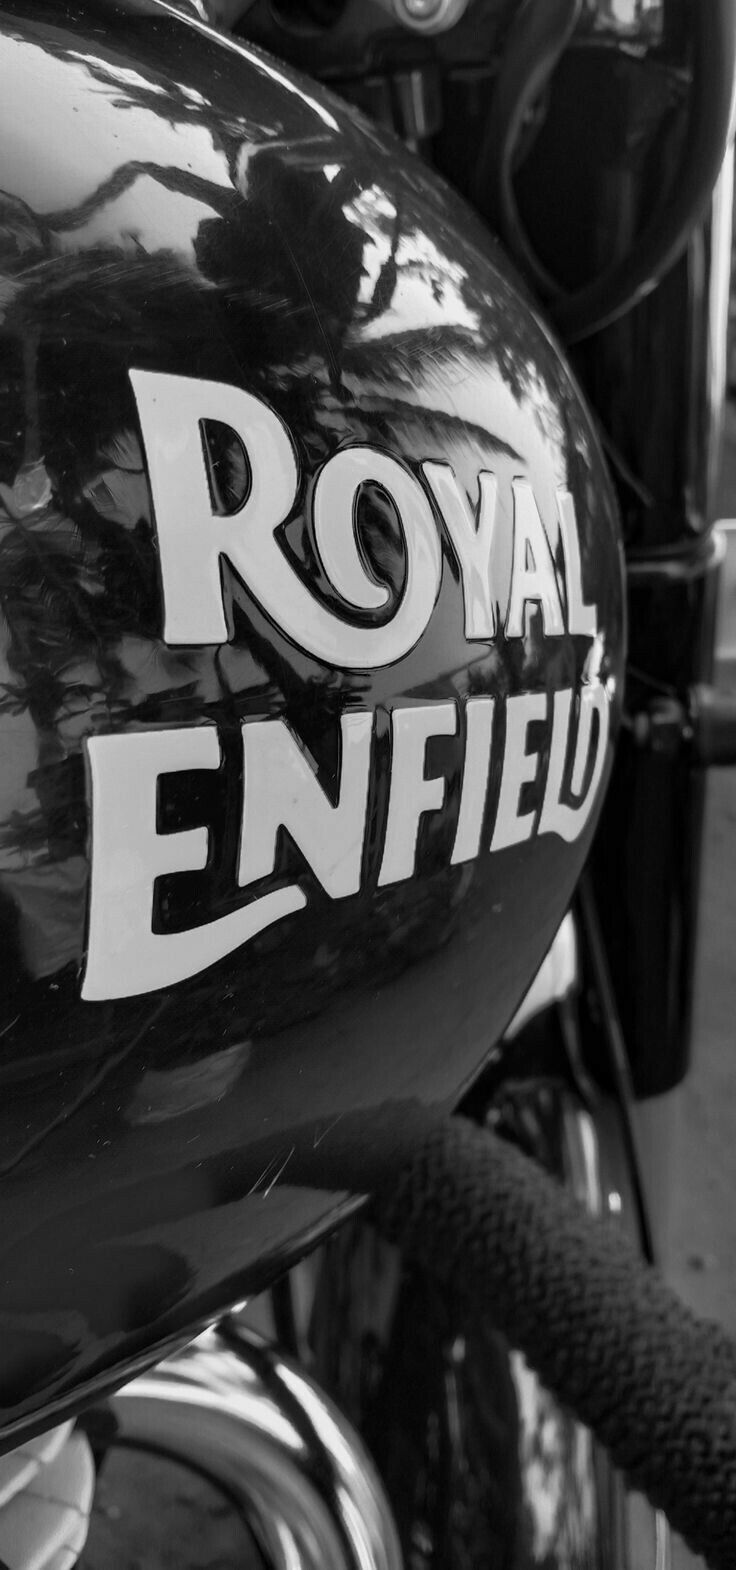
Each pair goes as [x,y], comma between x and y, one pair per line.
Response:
[252,1421]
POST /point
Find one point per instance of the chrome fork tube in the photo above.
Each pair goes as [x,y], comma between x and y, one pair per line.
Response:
[253,1422]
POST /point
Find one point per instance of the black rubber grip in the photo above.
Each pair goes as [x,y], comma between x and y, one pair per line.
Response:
[656,1384]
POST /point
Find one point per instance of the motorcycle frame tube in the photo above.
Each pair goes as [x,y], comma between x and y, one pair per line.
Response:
[656,379]
[121,1222]
[646,859]
[253,1422]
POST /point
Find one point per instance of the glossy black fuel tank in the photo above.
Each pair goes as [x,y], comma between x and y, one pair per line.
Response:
[311,660]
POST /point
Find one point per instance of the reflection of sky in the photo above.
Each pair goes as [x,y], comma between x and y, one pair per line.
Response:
[557,1462]
[472,390]
[146,216]
[125,76]
[285,80]
[414,305]
[428,290]
[83,126]
[464,388]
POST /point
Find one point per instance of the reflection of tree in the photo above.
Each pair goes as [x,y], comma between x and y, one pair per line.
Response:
[290,242]
[290,292]
[157,90]
[182,181]
[298,241]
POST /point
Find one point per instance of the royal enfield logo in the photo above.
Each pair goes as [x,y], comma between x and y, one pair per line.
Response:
[125,956]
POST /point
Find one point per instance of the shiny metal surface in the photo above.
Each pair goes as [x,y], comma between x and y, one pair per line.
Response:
[624,21]
[425,16]
[253,1422]
[713,364]
[557,978]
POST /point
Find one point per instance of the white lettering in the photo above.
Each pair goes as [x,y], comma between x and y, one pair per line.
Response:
[533,577]
[281,789]
[581,618]
[472,538]
[124,956]
[478,728]
[557,818]
[519,768]
[412,794]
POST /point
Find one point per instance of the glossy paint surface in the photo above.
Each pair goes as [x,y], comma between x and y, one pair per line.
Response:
[177,206]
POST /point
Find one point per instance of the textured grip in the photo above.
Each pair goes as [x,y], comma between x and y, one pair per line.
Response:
[656,1384]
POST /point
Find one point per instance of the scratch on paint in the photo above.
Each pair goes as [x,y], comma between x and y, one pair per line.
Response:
[318,1138]
[271,1174]
[277,1175]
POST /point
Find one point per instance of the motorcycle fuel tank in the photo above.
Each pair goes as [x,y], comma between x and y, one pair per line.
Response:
[311,652]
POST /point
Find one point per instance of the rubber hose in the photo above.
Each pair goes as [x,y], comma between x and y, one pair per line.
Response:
[656,1384]
[665,239]
[538,37]
[540,33]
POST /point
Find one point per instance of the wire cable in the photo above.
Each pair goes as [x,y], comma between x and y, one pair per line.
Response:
[538,36]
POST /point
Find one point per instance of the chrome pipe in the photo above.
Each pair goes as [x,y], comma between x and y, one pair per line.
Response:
[253,1421]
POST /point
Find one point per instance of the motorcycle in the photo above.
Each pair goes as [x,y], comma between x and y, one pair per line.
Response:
[362,371]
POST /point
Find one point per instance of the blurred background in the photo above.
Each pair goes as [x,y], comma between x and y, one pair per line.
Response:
[698,1238]
[700,1219]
